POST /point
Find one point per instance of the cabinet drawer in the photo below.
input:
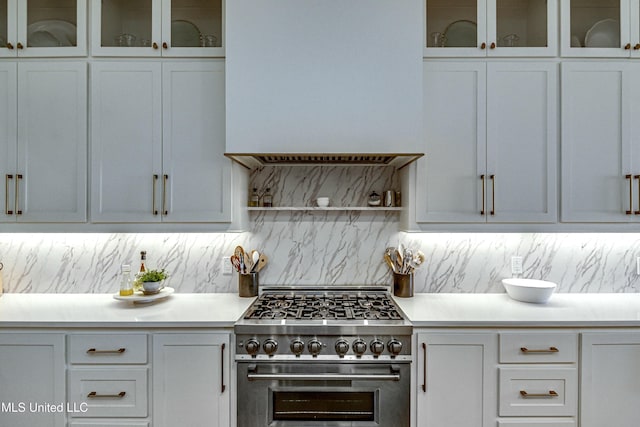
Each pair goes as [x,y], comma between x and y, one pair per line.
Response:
[538,347]
[537,423]
[109,392]
[107,349]
[538,391]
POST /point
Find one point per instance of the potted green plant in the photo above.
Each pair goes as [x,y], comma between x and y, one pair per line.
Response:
[151,281]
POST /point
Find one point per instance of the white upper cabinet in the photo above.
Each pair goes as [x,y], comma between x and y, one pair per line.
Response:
[157,27]
[43,141]
[491,142]
[600,142]
[491,28]
[30,28]
[600,28]
[158,143]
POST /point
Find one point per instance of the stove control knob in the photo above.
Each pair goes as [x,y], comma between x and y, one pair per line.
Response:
[270,346]
[395,347]
[252,346]
[342,347]
[297,347]
[359,347]
[315,347]
[377,347]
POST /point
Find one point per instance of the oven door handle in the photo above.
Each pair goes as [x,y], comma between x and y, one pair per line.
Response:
[323,377]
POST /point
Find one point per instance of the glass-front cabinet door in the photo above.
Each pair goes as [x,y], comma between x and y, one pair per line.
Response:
[491,28]
[157,27]
[600,28]
[30,28]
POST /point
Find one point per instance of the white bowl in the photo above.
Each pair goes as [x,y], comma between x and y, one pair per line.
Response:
[322,202]
[152,287]
[529,290]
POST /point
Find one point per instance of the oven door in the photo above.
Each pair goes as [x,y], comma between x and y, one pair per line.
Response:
[323,394]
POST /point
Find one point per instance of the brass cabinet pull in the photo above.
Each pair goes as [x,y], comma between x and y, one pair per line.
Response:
[165,45]
[154,211]
[9,46]
[630,210]
[482,212]
[94,394]
[424,367]
[164,195]
[541,350]
[118,351]
[7,178]
[627,46]
[638,211]
[493,194]
[483,46]
[493,45]
[637,46]
[222,386]
[155,45]
[551,393]
[20,46]
[16,205]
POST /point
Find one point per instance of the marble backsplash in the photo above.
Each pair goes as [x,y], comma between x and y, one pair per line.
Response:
[321,247]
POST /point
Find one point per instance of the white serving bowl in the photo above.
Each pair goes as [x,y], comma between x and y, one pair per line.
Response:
[152,287]
[529,290]
[322,202]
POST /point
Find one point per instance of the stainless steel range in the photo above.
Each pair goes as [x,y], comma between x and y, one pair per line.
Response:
[323,357]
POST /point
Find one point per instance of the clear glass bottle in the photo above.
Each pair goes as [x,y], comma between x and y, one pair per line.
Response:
[126,287]
[267,200]
[254,200]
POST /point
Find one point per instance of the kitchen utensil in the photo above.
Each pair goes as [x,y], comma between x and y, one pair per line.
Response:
[261,262]
[239,252]
[248,284]
[399,261]
[389,261]
[235,261]
[255,257]
[407,258]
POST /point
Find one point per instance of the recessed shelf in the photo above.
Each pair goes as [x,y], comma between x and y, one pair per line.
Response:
[330,208]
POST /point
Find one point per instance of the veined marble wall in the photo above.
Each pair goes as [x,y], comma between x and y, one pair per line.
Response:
[321,248]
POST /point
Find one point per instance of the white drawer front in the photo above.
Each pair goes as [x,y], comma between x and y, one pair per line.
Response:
[108,348]
[109,392]
[538,391]
[538,347]
[537,423]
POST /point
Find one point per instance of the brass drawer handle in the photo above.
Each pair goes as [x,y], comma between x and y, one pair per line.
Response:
[165,45]
[483,46]
[9,46]
[155,45]
[482,179]
[493,45]
[627,46]
[637,46]
[630,210]
[17,199]
[165,212]
[94,394]
[542,350]
[20,46]
[551,393]
[638,211]
[493,194]
[118,351]
[154,211]
[7,178]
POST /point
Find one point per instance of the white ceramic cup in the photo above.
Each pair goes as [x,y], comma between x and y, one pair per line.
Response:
[322,202]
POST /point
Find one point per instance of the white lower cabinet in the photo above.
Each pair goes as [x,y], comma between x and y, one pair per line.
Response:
[610,379]
[191,379]
[31,376]
[456,379]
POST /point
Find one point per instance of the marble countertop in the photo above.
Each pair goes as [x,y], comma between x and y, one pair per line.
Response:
[102,310]
[222,310]
[487,310]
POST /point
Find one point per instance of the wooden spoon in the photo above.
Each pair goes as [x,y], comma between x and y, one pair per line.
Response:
[262,261]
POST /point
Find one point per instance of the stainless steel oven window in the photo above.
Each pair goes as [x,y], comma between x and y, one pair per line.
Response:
[323,405]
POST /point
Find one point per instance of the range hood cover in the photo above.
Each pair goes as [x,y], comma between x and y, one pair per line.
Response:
[309,77]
